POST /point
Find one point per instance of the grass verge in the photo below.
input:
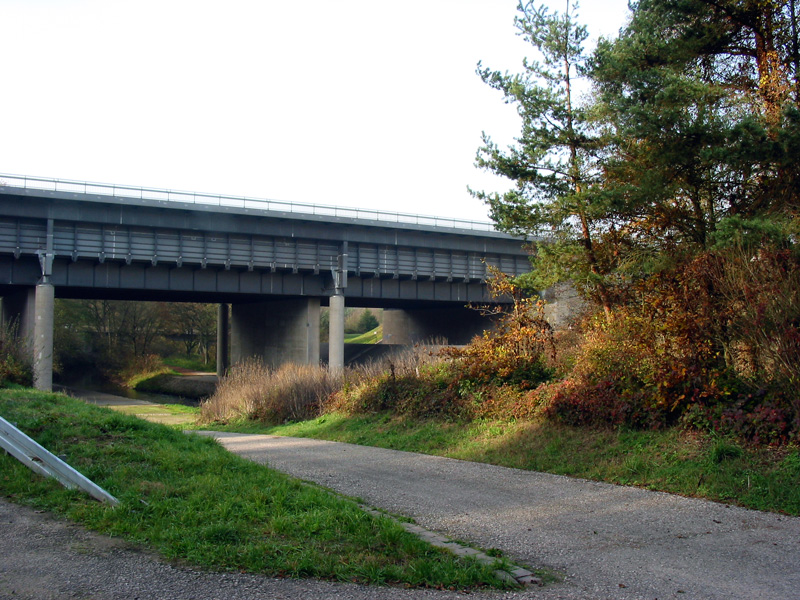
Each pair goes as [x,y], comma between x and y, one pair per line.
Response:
[190,500]
[673,460]
[373,336]
[190,364]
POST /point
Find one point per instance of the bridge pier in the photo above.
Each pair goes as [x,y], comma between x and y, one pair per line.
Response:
[43,337]
[279,332]
[336,335]
[457,325]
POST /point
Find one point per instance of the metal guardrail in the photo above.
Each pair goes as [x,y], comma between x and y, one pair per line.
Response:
[43,462]
[143,193]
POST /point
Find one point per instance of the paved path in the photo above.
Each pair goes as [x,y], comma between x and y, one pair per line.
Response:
[139,408]
[609,541]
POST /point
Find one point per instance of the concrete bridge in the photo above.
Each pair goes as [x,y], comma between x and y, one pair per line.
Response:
[269,265]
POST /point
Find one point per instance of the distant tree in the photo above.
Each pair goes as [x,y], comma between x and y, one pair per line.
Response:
[140,324]
[367,321]
[351,316]
[324,325]
[195,324]
[207,331]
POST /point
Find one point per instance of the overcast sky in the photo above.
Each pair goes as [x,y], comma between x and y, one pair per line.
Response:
[359,103]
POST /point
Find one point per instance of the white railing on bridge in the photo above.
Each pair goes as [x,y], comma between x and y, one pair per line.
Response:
[143,193]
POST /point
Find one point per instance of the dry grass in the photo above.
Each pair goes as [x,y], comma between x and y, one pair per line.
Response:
[252,390]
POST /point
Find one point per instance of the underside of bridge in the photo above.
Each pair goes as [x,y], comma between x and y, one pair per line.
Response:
[279,330]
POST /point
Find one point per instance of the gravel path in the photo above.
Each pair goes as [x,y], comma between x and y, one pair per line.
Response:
[610,541]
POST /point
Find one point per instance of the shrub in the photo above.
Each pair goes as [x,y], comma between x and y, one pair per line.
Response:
[760,290]
[15,361]
[714,340]
[416,381]
[762,417]
[516,350]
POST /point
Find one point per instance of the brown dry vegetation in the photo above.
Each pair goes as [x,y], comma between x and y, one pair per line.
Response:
[252,390]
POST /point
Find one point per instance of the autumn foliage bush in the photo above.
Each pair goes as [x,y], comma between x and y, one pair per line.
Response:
[713,342]
[489,378]
[516,350]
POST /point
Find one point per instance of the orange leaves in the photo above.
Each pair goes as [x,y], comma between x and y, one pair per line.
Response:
[515,351]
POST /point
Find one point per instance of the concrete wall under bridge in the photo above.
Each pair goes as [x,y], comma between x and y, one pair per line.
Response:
[279,332]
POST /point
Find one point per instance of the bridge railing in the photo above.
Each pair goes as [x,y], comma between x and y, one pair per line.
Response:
[143,193]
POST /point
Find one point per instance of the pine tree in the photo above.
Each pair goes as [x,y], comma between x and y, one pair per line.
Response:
[702,96]
[554,163]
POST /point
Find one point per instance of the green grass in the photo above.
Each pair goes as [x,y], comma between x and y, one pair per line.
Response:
[673,460]
[187,498]
[170,409]
[192,364]
[136,380]
[372,336]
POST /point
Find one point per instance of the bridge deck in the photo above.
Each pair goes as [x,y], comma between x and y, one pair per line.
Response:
[160,241]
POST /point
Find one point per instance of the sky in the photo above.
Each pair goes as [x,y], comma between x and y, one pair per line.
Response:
[357,103]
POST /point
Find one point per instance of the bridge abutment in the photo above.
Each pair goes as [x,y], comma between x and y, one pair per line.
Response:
[411,326]
[279,332]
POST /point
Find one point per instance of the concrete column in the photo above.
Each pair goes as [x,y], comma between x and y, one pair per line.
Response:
[336,338]
[43,337]
[563,305]
[279,332]
[223,328]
